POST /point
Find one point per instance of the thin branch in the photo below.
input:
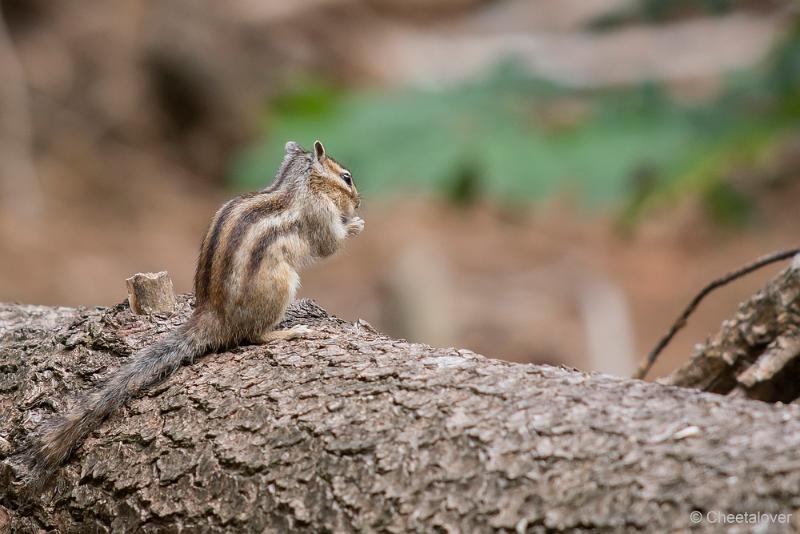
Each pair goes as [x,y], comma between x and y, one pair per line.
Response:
[647,363]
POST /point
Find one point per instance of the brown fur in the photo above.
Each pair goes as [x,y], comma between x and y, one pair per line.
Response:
[266,240]
[247,274]
[253,209]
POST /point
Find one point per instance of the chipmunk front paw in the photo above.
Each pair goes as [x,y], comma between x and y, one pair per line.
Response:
[355,226]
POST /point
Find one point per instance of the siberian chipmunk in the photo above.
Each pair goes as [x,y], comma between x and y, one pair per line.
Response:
[247,274]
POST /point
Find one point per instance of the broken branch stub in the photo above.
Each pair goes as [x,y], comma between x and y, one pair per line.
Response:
[151,293]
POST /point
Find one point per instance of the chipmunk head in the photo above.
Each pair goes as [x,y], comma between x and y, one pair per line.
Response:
[328,177]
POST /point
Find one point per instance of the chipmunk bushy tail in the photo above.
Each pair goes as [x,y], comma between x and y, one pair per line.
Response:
[59,436]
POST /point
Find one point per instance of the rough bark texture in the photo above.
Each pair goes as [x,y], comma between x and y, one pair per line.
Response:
[354,431]
[755,354]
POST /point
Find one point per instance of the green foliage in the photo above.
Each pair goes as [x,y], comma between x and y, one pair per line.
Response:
[658,11]
[513,137]
[726,205]
[516,138]
[661,9]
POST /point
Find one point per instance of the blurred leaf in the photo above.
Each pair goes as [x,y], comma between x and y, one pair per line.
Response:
[726,205]
[465,186]
[527,137]
[314,98]
[658,11]
[513,136]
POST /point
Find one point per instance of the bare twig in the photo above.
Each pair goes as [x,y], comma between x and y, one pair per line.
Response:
[648,362]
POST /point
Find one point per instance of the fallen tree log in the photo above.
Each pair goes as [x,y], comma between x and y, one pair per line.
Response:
[354,431]
[756,353]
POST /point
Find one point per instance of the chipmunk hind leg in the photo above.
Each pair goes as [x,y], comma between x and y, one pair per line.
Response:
[299,331]
[270,292]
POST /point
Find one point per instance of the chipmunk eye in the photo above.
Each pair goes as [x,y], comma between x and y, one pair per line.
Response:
[348,179]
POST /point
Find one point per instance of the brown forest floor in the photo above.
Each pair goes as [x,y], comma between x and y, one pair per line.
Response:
[510,284]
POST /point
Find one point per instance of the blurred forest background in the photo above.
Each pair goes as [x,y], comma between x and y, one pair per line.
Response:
[544,180]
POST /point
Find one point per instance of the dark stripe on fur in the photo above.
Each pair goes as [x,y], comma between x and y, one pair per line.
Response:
[264,207]
[204,264]
[279,179]
[296,164]
[264,242]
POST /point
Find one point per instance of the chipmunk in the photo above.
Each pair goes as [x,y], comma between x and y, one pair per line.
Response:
[247,274]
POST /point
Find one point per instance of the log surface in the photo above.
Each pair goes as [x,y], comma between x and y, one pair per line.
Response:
[354,431]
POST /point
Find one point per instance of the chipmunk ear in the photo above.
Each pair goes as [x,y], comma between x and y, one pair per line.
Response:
[292,148]
[319,150]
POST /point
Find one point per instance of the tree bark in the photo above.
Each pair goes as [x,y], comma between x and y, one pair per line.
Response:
[756,353]
[354,431]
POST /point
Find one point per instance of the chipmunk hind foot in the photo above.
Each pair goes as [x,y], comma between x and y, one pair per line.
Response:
[299,331]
